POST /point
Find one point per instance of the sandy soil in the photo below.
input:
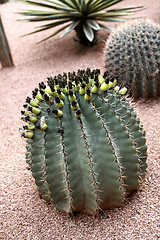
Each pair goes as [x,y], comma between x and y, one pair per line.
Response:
[23,215]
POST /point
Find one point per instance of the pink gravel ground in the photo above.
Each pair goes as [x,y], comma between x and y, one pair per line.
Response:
[23,215]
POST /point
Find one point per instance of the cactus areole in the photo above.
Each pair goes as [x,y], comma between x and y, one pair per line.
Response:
[85,145]
[133,52]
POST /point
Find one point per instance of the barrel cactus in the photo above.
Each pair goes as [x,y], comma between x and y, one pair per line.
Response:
[85,145]
[133,52]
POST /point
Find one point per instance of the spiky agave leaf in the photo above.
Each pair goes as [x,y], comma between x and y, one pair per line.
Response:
[86,17]
[5,53]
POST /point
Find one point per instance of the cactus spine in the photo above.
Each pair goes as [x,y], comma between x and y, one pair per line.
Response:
[85,145]
[133,52]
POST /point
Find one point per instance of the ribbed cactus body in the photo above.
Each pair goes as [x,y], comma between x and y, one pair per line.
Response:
[87,150]
[133,52]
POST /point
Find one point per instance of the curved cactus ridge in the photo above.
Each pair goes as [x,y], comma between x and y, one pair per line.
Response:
[85,145]
[133,52]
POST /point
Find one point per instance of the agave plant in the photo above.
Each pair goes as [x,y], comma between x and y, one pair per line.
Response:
[86,17]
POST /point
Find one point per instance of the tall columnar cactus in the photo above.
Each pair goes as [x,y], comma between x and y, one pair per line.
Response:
[133,52]
[85,145]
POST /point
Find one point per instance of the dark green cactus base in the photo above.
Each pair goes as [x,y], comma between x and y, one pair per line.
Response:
[133,53]
[86,147]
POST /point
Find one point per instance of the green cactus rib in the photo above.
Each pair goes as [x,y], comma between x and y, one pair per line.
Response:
[79,166]
[128,118]
[133,53]
[56,169]
[38,164]
[85,145]
[126,149]
[108,173]
[28,151]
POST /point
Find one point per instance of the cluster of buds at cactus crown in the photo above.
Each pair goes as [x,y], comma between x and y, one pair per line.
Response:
[86,82]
